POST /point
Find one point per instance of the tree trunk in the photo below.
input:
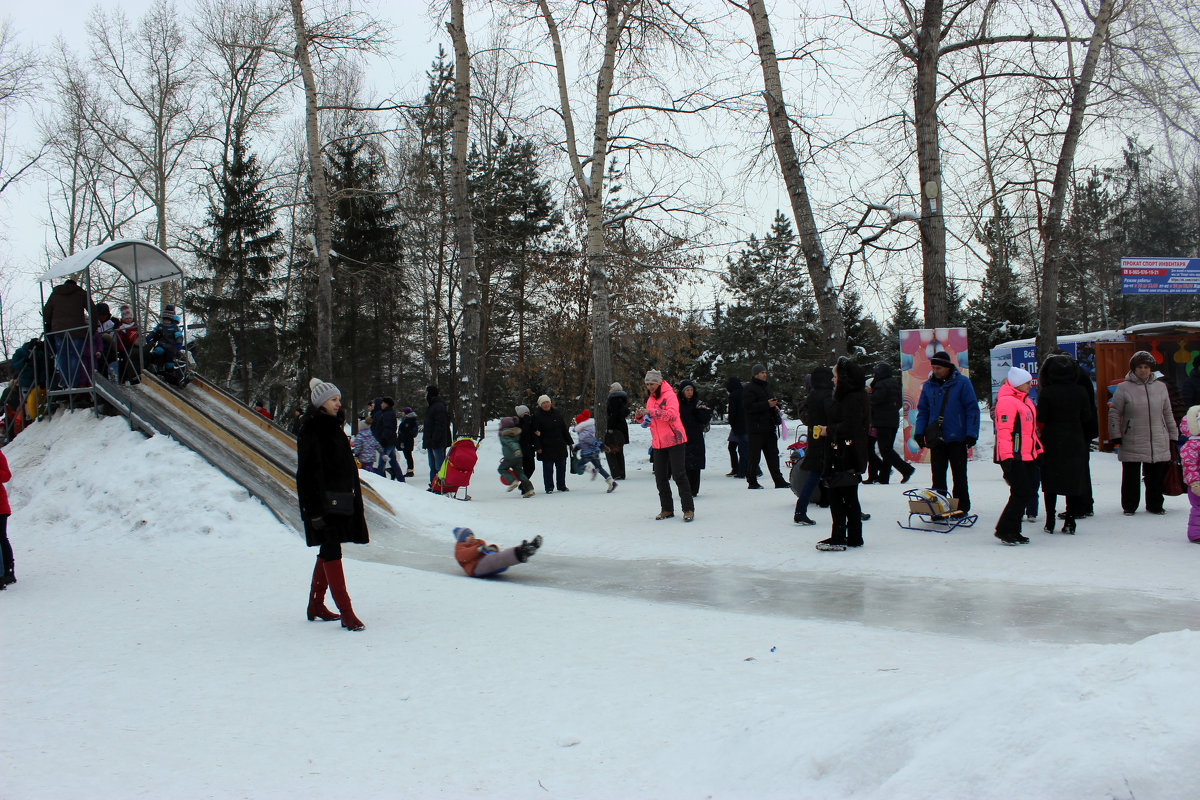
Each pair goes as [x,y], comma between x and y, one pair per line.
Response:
[323,360]
[1047,338]
[793,178]
[929,168]
[469,411]
[591,190]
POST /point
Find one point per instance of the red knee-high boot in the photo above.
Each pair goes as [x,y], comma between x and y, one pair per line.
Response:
[316,595]
[337,588]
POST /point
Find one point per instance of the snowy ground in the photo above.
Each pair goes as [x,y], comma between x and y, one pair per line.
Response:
[155,646]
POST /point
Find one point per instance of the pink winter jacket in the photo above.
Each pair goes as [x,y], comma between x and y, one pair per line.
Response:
[666,429]
[1189,454]
[1012,405]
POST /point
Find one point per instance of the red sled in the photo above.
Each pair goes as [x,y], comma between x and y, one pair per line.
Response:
[457,468]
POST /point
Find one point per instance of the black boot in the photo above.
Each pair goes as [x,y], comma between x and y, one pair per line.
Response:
[1068,525]
[525,549]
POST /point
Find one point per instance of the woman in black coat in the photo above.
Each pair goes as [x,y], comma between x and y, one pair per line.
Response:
[331,503]
[553,443]
[1068,423]
[820,392]
[695,416]
[848,422]
[617,434]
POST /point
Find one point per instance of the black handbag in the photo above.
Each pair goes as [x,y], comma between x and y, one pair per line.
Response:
[933,431]
[339,503]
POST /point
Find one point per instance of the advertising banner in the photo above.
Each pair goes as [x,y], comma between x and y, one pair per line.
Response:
[1160,276]
[916,348]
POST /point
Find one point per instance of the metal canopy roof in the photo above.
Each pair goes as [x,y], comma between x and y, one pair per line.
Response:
[139,261]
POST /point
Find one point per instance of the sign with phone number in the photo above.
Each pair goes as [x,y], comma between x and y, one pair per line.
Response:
[1160,276]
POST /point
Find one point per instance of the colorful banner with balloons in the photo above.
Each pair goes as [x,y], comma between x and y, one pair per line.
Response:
[916,348]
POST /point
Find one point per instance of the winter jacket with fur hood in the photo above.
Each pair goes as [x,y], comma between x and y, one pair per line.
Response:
[1140,416]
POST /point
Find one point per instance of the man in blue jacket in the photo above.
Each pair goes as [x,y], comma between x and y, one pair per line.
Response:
[383,428]
[949,395]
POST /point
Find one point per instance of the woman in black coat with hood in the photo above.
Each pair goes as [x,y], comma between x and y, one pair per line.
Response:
[330,496]
[1067,420]
[739,444]
[820,392]
[695,416]
[848,418]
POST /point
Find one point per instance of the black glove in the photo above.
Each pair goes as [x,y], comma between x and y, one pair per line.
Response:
[1006,467]
[971,441]
[1115,442]
[317,523]
[919,439]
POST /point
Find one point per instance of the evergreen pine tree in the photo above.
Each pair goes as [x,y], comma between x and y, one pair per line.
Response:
[370,292]
[234,296]
[1002,312]
[904,318]
[769,317]
[863,337]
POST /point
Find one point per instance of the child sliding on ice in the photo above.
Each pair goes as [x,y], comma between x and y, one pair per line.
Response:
[589,447]
[480,559]
[512,463]
[1189,455]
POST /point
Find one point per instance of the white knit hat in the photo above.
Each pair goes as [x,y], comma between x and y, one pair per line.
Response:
[1018,376]
[322,391]
[544,399]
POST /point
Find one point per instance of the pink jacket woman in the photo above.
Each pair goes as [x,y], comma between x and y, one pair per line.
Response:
[1016,426]
[666,429]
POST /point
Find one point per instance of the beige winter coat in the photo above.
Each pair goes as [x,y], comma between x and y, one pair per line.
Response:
[1140,416]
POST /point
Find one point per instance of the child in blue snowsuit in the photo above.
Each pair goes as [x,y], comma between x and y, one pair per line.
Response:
[589,447]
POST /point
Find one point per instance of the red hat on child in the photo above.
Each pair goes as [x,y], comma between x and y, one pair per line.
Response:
[585,414]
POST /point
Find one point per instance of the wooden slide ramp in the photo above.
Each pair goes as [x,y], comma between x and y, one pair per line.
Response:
[225,432]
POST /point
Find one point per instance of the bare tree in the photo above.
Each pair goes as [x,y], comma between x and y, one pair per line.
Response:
[627,43]
[147,114]
[1047,338]
[793,177]
[342,30]
[18,73]
[468,407]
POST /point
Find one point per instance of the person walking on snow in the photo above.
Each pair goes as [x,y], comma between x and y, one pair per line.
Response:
[617,435]
[848,417]
[553,440]
[589,447]
[762,428]
[528,440]
[480,559]
[1141,423]
[695,416]
[511,461]
[6,551]
[668,446]
[1066,424]
[407,436]
[383,427]
[330,496]
[886,402]
[738,444]
[949,408]
[1189,454]
[437,436]
[1017,449]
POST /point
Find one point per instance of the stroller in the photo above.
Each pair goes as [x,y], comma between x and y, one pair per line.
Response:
[457,468]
